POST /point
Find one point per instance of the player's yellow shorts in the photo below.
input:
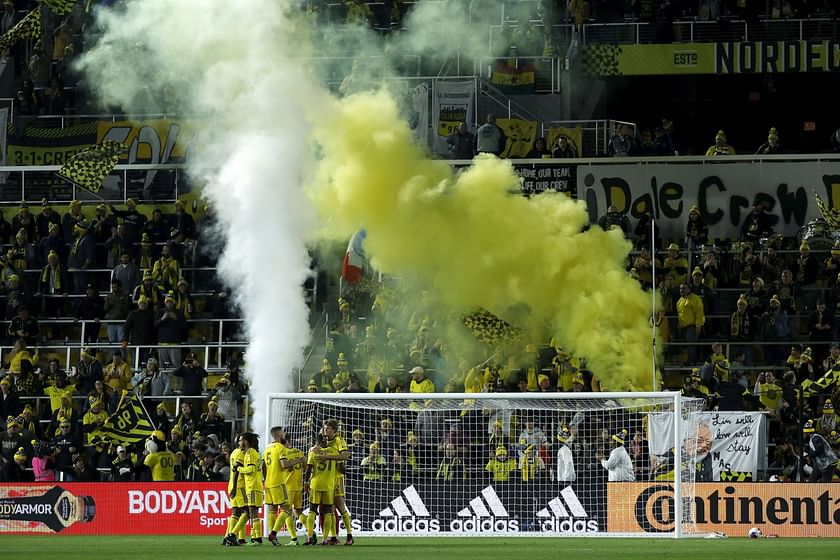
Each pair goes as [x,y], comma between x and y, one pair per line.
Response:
[238,499]
[295,499]
[339,486]
[322,497]
[254,498]
[276,495]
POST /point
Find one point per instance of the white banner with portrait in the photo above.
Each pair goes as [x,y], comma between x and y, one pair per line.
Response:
[728,446]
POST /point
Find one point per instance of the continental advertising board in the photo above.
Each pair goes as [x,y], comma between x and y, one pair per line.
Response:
[783,509]
[741,57]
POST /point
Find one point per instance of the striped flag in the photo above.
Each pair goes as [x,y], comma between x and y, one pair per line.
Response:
[130,423]
[354,260]
[831,215]
[490,329]
[89,167]
[59,7]
[27,28]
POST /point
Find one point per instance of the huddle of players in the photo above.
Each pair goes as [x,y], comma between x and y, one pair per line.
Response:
[279,479]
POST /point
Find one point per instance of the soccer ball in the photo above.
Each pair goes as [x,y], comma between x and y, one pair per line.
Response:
[754,533]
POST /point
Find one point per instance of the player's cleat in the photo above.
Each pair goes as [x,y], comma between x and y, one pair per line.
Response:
[224,541]
[241,542]
[230,540]
[272,538]
[348,541]
[311,540]
[293,542]
[334,541]
[255,542]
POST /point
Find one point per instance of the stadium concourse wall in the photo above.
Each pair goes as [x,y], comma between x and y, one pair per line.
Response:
[432,509]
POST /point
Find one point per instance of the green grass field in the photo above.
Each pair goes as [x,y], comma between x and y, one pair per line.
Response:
[440,548]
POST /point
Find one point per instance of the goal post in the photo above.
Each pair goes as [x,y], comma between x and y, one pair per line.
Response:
[529,464]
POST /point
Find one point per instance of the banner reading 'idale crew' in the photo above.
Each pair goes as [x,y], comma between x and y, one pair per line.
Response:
[783,509]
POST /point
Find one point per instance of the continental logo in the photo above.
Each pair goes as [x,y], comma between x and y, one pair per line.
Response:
[784,509]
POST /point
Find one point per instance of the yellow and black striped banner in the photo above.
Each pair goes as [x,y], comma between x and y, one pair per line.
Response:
[129,423]
[490,329]
[831,215]
[89,167]
[27,28]
[736,476]
[59,7]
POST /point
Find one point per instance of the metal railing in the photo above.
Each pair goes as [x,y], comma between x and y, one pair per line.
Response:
[688,31]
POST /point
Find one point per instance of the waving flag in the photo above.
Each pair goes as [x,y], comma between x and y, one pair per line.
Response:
[354,260]
[89,167]
[130,423]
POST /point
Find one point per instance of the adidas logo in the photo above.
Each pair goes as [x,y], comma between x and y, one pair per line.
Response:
[484,514]
[407,513]
[479,509]
[565,514]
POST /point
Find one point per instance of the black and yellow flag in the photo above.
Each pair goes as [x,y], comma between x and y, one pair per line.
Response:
[89,167]
[490,329]
[130,423]
[27,28]
[831,215]
[59,7]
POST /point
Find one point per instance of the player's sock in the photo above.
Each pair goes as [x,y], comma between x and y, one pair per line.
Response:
[345,517]
[272,515]
[310,524]
[256,529]
[290,525]
[239,529]
[329,525]
[231,523]
[279,521]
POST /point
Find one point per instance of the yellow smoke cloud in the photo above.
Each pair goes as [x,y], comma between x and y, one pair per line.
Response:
[476,244]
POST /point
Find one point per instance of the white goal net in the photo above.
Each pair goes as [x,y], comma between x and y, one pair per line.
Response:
[507,463]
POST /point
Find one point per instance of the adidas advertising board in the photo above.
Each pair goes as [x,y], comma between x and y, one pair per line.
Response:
[474,507]
[406,514]
[484,514]
[565,514]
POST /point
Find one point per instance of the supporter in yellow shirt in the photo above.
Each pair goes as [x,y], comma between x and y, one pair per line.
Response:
[159,459]
[501,465]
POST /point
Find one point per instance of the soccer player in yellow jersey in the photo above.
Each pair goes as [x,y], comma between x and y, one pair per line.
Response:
[320,482]
[249,467]
[237,498]
[287,464]
[275,488]
[334,440]
[159,459]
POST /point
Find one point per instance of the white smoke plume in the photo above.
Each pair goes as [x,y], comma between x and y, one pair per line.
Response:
[230,66]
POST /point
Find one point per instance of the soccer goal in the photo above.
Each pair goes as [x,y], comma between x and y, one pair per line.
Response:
[555,464]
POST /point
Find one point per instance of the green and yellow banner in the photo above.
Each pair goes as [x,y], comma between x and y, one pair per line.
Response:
[513,80]
[743,57]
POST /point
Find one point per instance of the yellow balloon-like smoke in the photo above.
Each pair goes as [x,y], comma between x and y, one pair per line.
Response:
[477,244]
